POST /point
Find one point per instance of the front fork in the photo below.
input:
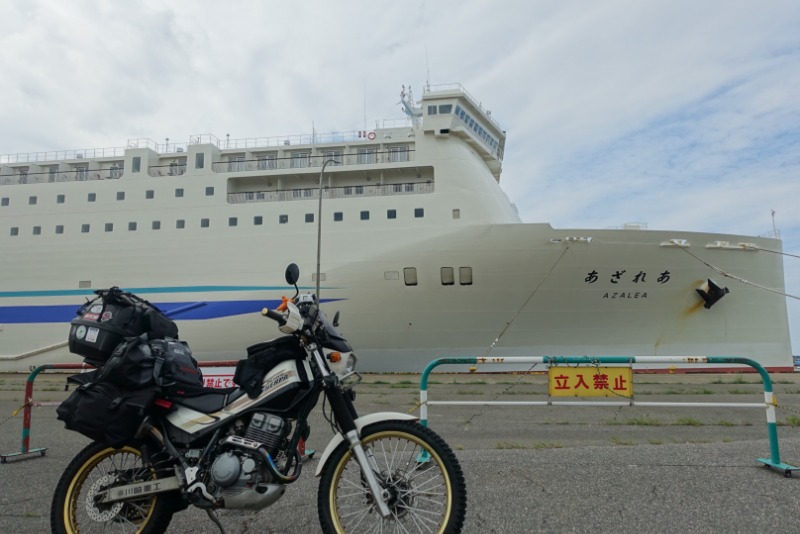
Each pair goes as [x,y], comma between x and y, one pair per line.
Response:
[345,413]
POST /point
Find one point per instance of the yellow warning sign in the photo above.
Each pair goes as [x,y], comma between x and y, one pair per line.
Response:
[590,382]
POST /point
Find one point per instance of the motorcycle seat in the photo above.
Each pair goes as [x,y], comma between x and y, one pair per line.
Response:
[209,400]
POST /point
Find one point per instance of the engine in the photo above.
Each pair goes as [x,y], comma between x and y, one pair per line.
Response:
[239,474]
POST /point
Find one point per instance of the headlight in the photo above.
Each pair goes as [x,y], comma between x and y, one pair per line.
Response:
[344,366]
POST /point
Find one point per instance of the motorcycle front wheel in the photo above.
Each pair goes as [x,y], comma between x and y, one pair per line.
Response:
[96,468]
[417,470]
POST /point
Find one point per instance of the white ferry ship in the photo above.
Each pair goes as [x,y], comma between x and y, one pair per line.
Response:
[422,251]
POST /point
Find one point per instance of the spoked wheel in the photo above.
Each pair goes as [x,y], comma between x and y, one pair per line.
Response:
[95,469]
[422,482]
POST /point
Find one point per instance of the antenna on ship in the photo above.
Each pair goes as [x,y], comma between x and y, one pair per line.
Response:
[319,221]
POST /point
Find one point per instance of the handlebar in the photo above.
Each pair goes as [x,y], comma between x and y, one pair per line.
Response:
[275,316]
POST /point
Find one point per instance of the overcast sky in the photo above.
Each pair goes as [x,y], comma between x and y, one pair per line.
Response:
[684,115]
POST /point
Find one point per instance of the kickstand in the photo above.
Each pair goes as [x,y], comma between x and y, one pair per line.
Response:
[213,516]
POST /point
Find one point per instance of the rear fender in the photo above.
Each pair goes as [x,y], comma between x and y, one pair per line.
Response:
[361,422]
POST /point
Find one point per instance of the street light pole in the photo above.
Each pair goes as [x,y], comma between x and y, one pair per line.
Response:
[319,221]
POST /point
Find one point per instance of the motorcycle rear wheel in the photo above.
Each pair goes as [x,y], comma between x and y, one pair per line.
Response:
[94,469]
[424,481]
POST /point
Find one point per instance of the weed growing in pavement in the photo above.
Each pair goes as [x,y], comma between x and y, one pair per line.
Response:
[688,421]
[622,442]
[545,445]
[791,420]
[510,445]
[643,421]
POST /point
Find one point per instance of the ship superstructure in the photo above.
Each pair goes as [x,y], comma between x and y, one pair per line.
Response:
[422,250]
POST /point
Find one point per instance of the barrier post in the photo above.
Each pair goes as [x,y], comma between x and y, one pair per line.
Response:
[774,461]
[25,451]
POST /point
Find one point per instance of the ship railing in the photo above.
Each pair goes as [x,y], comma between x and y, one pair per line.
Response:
[332,192]
[579,397]
[173,169]
[61,176]
[400,154]
[36,157]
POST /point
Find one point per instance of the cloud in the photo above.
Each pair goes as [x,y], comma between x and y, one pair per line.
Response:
[680,114]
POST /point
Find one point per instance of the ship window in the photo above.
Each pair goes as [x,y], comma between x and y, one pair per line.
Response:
[299,160]
[391,214]
[60,199]
[398,188]
[4,201]
[210,191]
[199,160]
[258,220]
[109,227]
[348,190]
[180,224]
[338,216]
[14,231]
[465,276]
[366,155]
[391,275]
[236,163]
[266,161]
[419,212]
[205,223]
[309,217]
[448,276]
[37,230]
[335,155]
[431,110]
[179,192]
[32,201]
[120,195]
[59,228]
[445,109]
[85,228]
[156,225]
[297,193]
[365,215]
[409,188]
[91,197]
[410,276]
[359,190]
[283,219]
[398,153]
[136,164]
[150,194]
[456,213]
[233,221]
[132,226]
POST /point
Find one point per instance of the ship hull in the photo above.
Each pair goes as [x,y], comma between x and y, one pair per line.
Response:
[534,291]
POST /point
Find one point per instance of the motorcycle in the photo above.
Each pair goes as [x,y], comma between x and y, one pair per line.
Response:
[238,449]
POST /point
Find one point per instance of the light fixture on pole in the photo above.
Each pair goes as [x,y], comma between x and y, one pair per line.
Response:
[319,220]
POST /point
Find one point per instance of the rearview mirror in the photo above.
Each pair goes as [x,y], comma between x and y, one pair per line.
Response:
[292,274]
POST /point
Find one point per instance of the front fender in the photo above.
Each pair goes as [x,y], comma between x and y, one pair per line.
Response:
[361,422]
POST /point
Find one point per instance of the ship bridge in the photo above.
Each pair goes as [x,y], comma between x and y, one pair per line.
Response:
[450,110]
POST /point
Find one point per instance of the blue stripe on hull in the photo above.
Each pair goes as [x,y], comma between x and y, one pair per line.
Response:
[199,310]
[65,313]
[144,290]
